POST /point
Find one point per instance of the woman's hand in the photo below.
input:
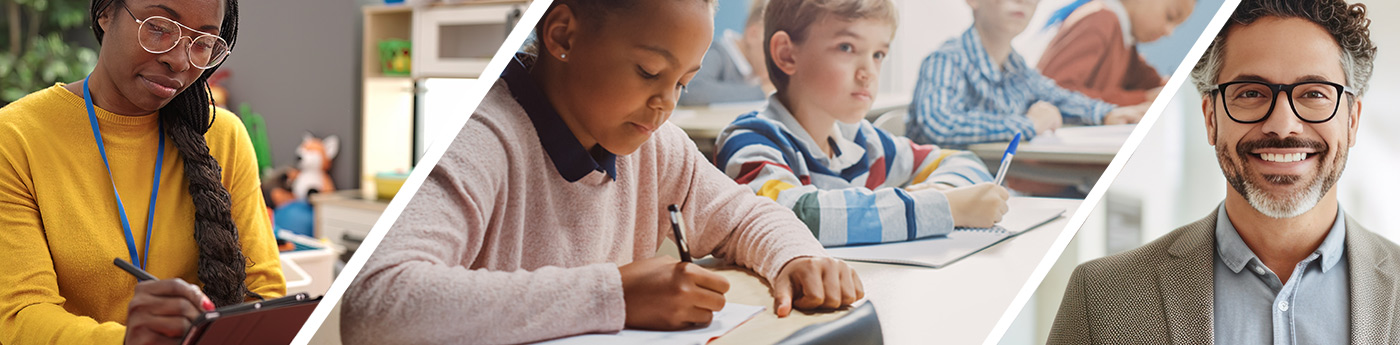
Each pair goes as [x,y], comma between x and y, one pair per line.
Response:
[163,310]
[664,294]
[816,282]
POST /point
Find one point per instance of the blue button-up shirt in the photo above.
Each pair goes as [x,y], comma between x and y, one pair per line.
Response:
[1253,307]
[963,97]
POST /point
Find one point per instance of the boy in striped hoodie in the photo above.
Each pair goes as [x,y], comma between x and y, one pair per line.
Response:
[812,151]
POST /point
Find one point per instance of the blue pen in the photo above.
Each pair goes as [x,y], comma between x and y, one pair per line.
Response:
[1006,158]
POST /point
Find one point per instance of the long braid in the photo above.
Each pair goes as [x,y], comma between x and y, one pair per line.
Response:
[222,266]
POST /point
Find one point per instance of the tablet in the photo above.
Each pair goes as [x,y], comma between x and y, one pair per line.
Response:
[274,321]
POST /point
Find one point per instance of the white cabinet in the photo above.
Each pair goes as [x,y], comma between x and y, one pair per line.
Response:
[458,41]
[345,218]
[449,41]
[386,128]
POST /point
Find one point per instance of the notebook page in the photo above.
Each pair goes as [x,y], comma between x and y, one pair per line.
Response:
[724,321]
[940,251]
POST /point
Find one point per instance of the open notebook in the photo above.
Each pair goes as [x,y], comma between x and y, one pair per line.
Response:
[724,321]
[941,251]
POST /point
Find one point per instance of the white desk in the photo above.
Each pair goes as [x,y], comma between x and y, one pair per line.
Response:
[958,304]
[1048,153]
[1075,156]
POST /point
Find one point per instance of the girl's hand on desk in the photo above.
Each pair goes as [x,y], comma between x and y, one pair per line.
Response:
[661,293]
[163,310]
[816,282]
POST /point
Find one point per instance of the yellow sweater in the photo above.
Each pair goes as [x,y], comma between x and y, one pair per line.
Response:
[59,229]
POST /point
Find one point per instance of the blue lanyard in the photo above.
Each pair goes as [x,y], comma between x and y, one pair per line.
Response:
[155,184]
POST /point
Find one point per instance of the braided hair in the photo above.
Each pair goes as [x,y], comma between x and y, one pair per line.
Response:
[222,266]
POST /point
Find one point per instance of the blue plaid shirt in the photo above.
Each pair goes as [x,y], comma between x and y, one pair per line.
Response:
[962,99]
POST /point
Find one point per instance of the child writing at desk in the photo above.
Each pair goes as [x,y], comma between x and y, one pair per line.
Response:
[1095,51]
[977,89]
[543,217]
[812,150]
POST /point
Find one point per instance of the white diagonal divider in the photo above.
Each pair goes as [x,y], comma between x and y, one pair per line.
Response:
[493,70]
[1183,72]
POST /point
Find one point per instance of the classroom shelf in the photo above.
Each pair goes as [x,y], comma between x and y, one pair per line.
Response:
[450,40]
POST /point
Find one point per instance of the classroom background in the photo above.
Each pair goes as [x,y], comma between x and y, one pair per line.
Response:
[1173,179]
[925,24]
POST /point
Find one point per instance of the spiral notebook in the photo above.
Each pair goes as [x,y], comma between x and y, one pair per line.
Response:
[941,251]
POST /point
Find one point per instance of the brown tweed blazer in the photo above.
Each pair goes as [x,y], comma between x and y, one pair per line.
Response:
[1163,292]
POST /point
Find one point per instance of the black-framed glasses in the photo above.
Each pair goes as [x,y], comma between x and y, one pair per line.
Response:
[159,34]
[1253,101]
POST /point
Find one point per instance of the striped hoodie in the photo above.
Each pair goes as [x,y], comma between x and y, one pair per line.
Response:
[856,197]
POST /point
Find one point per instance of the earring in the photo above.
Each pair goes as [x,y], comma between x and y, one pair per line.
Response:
[561,56]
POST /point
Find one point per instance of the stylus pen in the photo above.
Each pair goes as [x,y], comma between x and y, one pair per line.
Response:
[678,226]
[140,275]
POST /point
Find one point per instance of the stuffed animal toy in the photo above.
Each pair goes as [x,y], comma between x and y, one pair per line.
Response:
[288,212]
[312,173]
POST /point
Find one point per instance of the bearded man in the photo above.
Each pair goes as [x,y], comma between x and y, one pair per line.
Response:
[1278,262]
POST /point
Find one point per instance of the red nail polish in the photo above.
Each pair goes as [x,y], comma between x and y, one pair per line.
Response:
[208,306]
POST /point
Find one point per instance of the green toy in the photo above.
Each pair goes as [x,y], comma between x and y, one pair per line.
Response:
[257,131]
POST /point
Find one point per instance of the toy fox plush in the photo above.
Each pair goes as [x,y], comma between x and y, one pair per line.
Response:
[313,166]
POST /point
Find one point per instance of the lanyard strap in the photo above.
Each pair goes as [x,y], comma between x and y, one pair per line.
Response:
[155,184]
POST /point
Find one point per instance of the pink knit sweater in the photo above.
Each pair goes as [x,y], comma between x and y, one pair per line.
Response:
[496,247]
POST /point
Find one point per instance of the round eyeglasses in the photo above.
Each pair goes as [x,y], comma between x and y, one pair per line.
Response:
[159,35]
[1253,101]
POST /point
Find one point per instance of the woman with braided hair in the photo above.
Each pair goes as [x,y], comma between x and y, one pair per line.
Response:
[133,163]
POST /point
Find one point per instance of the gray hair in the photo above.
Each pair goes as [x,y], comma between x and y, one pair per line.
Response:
[1347,24]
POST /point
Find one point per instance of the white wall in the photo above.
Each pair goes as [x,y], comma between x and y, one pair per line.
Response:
[925,24]
[296,63]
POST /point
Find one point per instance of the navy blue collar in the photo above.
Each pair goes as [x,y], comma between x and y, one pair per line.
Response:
[570,158]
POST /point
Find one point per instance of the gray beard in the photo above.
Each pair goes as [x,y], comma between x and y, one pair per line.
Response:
[1290,204]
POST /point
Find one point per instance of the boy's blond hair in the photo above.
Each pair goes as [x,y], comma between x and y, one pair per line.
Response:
[755,13]
[796,16]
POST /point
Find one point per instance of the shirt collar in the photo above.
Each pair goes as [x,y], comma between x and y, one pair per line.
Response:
[1236,254]
[570,158]
[1116,6]
[977,54]
[730,46]
[848,152]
